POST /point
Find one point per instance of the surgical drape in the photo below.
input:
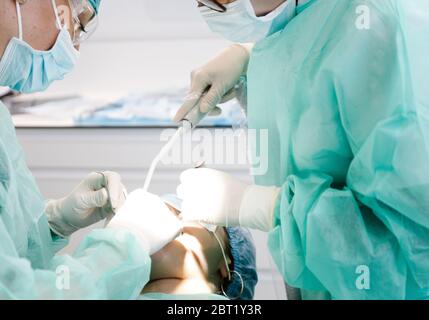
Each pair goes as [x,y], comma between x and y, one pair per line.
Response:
[107,265]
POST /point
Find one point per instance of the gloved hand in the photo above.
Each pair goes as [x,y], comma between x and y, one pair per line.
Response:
[148,217]
[94,199]
[215,197]
[214,82]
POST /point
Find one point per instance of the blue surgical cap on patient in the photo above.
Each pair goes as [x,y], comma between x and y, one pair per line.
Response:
[244,262]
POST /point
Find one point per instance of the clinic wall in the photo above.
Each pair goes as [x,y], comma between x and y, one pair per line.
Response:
[137,20]
[147,45]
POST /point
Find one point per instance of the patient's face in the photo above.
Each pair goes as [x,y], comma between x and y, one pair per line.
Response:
[194,254]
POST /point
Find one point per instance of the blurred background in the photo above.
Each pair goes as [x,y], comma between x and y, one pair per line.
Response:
[99,117]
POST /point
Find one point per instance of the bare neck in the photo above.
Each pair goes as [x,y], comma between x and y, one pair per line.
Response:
[180,286]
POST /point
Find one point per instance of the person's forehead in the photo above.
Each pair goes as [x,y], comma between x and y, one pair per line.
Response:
[196,229]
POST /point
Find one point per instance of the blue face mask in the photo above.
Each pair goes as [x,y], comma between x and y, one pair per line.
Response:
[240,24]
[27,70]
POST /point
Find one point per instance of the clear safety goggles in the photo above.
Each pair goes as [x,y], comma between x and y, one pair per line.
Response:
[213,4]
[85,20]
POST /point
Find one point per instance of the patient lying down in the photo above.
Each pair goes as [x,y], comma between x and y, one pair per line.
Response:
[204,260]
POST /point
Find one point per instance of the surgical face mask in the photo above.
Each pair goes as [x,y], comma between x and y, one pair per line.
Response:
[240,24]
[27,70]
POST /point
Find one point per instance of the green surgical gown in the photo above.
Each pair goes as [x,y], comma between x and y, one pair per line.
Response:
[343,94]
[108,264]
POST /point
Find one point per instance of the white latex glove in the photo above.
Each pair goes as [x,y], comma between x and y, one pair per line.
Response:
[148,217]
[94,199]
[214,82]
[215,197]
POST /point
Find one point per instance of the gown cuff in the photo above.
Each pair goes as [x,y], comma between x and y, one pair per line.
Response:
[257,207]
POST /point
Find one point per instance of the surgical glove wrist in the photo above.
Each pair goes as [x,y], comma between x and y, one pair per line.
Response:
[96,198]
[215,82]
[147,217]
[258,206]
[215,197]
[211,196]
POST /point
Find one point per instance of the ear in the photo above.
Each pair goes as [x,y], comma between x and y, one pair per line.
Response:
[222,268]
[223,271]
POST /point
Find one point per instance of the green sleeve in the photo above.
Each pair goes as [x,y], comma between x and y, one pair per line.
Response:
[378,224]
[108,265]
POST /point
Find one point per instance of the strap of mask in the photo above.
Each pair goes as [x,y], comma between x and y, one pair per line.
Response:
[210,229]
[57,16]
[224,255]
[18,14]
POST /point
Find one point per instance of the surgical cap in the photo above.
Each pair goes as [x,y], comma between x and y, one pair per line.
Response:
[95,4]
[244,262]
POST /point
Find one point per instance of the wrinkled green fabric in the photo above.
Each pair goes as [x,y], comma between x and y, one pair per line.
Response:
[347,113]
[108,264]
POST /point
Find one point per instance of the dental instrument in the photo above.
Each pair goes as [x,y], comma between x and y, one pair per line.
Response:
[192,119]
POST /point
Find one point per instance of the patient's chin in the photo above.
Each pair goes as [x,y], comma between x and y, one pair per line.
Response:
[176,261]
[168,262]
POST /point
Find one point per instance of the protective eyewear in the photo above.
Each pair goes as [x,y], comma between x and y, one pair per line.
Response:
[213,4]
[85,20]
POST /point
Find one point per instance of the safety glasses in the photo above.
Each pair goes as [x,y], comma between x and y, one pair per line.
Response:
[85,20]
[213,4]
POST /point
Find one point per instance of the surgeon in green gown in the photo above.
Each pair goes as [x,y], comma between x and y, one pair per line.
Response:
[36,48]
[341,91]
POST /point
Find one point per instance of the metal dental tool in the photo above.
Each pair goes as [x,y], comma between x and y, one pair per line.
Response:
[192,119]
